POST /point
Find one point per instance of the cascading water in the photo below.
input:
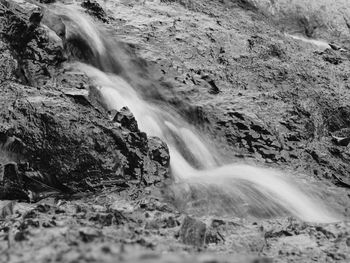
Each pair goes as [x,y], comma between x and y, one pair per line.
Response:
[200,178]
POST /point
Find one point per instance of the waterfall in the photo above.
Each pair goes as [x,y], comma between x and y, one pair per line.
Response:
[201,181]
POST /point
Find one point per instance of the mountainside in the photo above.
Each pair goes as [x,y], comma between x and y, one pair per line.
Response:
[265,83]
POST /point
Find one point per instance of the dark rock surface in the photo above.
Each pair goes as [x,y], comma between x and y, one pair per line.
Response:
[55,127]
[193,232]
[94,9]
[37,55]
[280,99]
[259,94]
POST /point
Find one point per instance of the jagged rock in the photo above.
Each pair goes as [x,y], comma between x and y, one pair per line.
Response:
[332,58]
[71,141]
[159,151]
[8,65]
[213,237]
[126,119]
[6,208]
[94,8]
[11,184]
[47,1]
[193,232]
[36,52]
[341,137]
[88,234]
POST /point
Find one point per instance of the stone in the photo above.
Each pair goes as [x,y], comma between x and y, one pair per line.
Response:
[88,234]
[6,208]
[94,9]
[193,232]
[30,42]
[126,119]
[11,185]
[159,151]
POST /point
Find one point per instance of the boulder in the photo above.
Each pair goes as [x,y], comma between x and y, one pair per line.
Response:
[36,51]
[193,232]
[65,141]
[159,151]
[126,119]
[94,9]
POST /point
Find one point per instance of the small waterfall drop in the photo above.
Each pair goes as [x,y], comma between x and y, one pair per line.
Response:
[200,179]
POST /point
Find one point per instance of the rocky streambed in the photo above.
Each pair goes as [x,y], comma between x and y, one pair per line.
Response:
[81,183]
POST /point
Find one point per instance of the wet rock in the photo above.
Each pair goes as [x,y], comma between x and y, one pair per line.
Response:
[348,241]
[126,119]
[20,236]
[11,184]
[332,58]
[193,232]
[213,237]
[103,219]
[94,9]
[214,88]
[341,137]
[70,141]
[251,135]
[47,1]
[6,208]
[79,96]
[334,46]
[36,53]
[88,234]
[159,151]
[8,64]
[56,27]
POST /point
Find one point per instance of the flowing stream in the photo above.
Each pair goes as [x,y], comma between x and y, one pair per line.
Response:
[201,180]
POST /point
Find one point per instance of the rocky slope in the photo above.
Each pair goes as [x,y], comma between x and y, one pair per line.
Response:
[315,19]
[226,66]
[50,126]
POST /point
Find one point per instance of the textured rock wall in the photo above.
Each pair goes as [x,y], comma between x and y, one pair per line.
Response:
[51,129]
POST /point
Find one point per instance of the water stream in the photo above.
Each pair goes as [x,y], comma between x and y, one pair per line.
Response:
[201,180]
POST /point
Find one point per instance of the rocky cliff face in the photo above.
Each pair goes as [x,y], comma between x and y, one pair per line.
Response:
[228,67]
[261,94]
[51,128]
[315,19]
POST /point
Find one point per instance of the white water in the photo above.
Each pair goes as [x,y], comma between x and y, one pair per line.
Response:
[316,42]
[201,179]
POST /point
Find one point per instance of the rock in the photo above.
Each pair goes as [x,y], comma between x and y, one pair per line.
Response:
[36,17]
[79,96]
[55,24]
[20,236]
[6,208]
[341,137]
[70,141]
[47,1]
[334,46]
[88,234]
[126,119]
[8,65]
[37,53]
[215,223]
[159,151]
[333,59]
[348,242]
[193,232]
[11,185]
[103,219]
[94,9]
[213,237]
[122,206]
[214,88]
